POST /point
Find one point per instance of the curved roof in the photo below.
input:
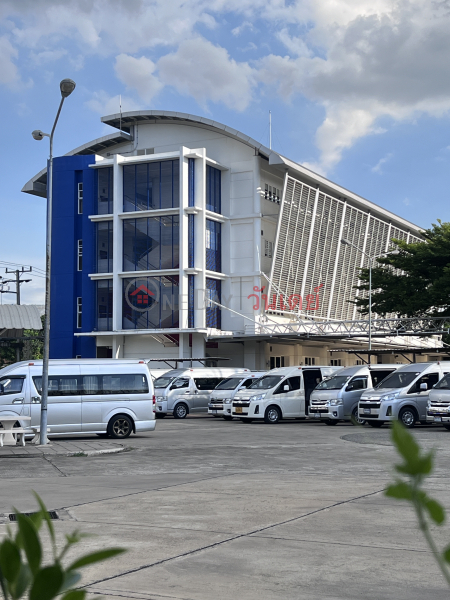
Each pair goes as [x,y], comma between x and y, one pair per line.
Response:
[22,316]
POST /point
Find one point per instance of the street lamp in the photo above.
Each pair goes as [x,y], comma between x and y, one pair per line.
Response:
[66,86]
[371,259]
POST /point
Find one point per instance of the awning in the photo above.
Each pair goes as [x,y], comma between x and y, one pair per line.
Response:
[24,316]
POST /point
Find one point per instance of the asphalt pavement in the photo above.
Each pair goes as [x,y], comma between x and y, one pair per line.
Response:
[210,509]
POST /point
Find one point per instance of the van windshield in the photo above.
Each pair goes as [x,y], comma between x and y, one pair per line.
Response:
[444,383]
[334,383]
[163,382]
[229,384]
[265,383]
[397,380]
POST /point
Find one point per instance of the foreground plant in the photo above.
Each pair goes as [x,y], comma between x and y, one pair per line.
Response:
[22,572]
[416,466]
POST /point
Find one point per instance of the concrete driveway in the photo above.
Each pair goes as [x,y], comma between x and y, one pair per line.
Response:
[224,510]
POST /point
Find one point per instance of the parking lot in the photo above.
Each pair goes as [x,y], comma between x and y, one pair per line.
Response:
[214,509]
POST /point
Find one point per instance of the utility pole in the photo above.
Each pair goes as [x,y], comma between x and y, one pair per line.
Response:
[18,281]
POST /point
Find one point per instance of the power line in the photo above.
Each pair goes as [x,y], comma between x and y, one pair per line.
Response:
[4,262]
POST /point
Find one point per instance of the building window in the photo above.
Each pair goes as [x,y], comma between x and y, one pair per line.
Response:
[79,312]
[191,239]
[213,313]
[151,244]
[268,249]
[359,362]
[151,303]
[150,186]
[105,247]
[104,304]
[191,181]
[310,360]
[213,189]
[335,362]
[213,246]
[277,361]
[191,296]
[104,191]
[80,198]
[80,255]
[272,193]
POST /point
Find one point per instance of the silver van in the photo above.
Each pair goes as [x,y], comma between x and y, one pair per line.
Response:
[439,403]
[403,395]
[336,399]
[102,396]
[181,391]
[222,396]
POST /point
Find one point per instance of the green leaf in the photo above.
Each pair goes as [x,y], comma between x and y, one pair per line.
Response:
[30,541]
[94,557]
[37,519]
[47,583]
[75,595]
[404,442]
[401,491]
[71,578]
[420,465]
[9,560]
[46,516]
[19,587]
[446,554]
[435,510]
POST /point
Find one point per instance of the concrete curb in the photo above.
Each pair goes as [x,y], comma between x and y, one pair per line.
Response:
[50,452]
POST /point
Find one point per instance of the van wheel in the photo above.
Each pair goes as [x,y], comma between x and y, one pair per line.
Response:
[408,417]
[181,411]
[356,419]
[376,423]
[272,415]
[331,421]
[120,426]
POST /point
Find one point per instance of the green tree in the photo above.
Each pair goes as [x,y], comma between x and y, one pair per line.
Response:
[418,280]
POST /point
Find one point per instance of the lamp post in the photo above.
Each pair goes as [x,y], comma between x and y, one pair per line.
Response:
[66,86]
[371,259]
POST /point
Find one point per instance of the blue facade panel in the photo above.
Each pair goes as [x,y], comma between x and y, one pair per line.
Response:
[67,283]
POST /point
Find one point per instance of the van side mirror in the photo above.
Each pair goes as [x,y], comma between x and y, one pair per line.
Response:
[423,387]
[286,388]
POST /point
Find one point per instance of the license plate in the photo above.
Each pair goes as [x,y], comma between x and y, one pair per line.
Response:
[438,419]
[317,415]
[238,409]
[213,410]
[367,411]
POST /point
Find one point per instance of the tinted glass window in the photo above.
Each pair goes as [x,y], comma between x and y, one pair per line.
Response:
[148,186]
[294,383]
[12,385]
[378,376]
[266,383]
[430,379]
[444,383]
[183,382]
[357,383]
[248,382]
[163,382]
[59,385]
[397,380]
[90,384]
[124,384]
[333,383]
[230,383]
[207,383]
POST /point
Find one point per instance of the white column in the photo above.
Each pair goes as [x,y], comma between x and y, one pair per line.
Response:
[198,347]
[117,243]
[200,240]
[184,239]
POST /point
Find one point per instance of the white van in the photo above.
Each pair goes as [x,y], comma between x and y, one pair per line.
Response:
[336,399]
[181,391]
[222,396]
[403,395]
[102,396]
[282,393]
[439,403]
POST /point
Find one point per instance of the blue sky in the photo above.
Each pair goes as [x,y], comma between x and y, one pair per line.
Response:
[358,91]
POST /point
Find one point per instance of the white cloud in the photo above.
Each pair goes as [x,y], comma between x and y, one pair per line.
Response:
[40,58]
[137,73]
[9,74]
[104,104]
[241,28]
[206,72]
[377,168]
